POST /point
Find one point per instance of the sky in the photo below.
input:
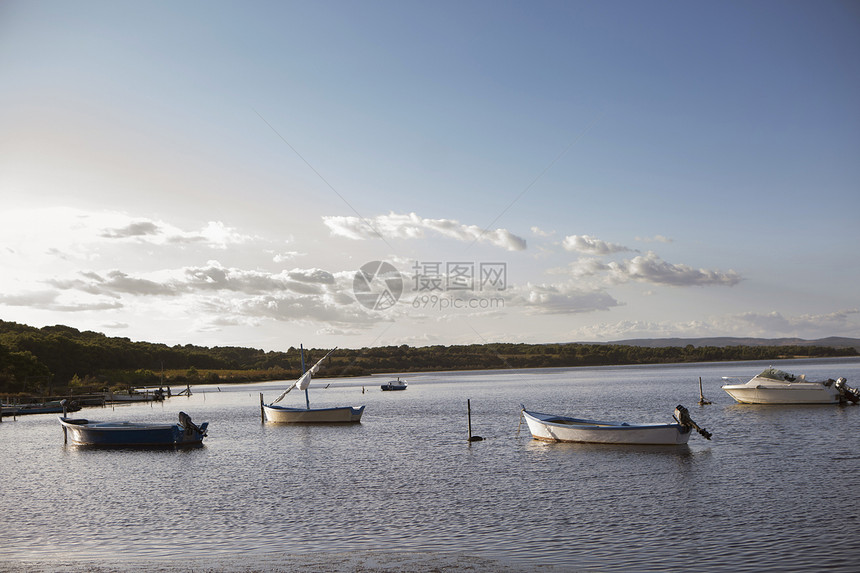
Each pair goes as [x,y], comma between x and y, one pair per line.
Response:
[374,173]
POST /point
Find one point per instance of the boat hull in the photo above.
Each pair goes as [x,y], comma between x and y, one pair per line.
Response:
[551,428]
[795,393]
[284,415]
[93,433]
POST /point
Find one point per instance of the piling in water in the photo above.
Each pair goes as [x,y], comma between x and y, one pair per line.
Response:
[469,416]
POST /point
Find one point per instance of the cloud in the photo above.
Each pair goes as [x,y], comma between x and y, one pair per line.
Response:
[592,245]
[213,277]
[136,229]
[749,324]
[412,226]
[217,295]
[564,298]
[215,234]
[52,301]
[285,256]
[650,268]
[113,284]
[764,324]
[655,239]
[541,233]
[119,226]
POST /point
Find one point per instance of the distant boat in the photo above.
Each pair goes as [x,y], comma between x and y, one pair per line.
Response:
[51,407]
[308,415]
[774,386]
[395,385]
[93,433]
[134,396]
[553,428]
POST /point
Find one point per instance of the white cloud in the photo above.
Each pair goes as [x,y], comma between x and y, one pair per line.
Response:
[565,298]
[655,239]
[214,234]
[592,245]
[650,268]
[541,233]
[285,256]
[412,226]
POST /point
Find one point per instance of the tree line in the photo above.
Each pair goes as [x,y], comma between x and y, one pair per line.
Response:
[56,360]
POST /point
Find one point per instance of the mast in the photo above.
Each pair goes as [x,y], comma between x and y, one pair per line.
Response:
[307,398]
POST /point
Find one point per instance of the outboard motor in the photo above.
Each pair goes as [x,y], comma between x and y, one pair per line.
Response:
[846,392]
[682,415]
[190,427]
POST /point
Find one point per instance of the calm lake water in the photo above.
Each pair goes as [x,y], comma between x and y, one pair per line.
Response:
[775,489]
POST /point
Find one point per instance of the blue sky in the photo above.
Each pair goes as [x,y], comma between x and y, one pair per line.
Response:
[217,173]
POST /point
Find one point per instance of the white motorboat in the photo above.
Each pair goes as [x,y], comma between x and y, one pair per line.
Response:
[552,428]
[774,386]
[394,385]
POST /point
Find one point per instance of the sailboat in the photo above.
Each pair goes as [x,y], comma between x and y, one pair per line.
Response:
[307,415]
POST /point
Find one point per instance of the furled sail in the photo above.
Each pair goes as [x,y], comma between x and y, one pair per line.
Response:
[305,379]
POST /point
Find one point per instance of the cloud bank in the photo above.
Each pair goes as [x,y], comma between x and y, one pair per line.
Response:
[412,226]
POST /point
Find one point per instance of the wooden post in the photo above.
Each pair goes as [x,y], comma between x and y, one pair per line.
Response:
[702,400]
[262,411]
[469,415]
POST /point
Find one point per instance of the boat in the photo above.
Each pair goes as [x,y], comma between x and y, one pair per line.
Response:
[775,386]
[395,385]
[92,433]
[272,412]
[554,428]
[51,407]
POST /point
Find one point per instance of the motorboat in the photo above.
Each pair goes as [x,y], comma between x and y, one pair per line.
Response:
[394,385]
[775,386]
[93,433]
[555,428]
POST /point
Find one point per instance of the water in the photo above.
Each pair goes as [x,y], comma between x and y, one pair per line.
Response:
[775,489]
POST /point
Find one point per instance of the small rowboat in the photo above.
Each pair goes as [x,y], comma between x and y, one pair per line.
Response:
[272,412]
[337,415]
[92,433]
[553,428]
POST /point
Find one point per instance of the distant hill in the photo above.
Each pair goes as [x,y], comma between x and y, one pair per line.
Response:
[830,341]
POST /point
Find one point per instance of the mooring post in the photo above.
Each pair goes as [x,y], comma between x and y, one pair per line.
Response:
[469,416]
[702,400]
[262,411]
